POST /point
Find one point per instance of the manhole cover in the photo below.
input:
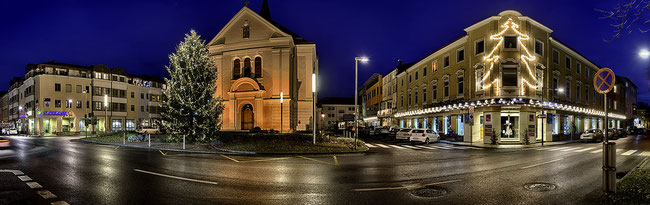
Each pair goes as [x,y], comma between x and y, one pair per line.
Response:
[429,192]
[540,186]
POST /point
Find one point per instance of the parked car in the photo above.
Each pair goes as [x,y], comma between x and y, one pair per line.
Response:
[594,135]
[403,134]
[4,143]
[424,135]
[147,130]
[621,132]
[13,131]
[613,134]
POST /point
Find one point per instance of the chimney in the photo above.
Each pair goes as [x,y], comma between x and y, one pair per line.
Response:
[399,61]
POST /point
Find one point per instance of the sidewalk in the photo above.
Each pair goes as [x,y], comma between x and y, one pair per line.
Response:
[508,146]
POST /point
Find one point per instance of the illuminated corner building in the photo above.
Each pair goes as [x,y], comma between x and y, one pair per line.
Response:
[501,68]
[55,98]
[389,97]
[257,60]
[369,100]
[336,113]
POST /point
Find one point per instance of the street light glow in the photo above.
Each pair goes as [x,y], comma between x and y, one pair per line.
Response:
[313,82]
[105,100]
[20,107]
[560,90]
[281,97]
[644,53]
[362,59]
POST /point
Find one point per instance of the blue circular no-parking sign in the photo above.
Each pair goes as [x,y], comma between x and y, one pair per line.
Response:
[604,80]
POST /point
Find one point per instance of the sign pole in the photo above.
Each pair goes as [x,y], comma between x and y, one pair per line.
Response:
[603,83]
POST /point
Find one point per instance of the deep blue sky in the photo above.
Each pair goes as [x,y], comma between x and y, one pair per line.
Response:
[138,35]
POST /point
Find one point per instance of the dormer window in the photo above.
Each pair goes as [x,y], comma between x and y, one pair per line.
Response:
[246,30]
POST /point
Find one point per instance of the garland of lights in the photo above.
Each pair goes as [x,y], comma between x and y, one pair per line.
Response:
[491,58]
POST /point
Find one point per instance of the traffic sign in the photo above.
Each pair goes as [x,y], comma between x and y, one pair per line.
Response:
[541,116]
[604,80]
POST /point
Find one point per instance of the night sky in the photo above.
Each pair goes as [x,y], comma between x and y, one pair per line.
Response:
[138,35]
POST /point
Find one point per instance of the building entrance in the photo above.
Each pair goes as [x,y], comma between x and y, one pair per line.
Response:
[247,117]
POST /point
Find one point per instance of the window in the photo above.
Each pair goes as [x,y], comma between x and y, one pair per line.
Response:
[246,30]
[409,93]
[446,88]
[445,61]
[401,101]
[479,47]
[416,96]
[578,67]
[568,89]
[236,72]
[130,125]
[424,95]
[510,42]
[539,47]
[587,72]
[98,105]
[615,89]
[567,62]
[141,95]
[258,67]
[593,96]
[57,103]
[460,55]
[615,104]
[114,78]
[556,57]
[416,75]
[509,76]
[460,86]
[578,89]
[410,79]
[434,92]
[117,125]
[141,108]
[132,94]
[79,105]
[57,87]
[424,71]
[78,88]
[587,95]
[555,84]
[87,104]
[132,107]
[435,65]
[247,67]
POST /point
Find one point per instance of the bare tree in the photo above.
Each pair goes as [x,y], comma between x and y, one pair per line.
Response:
[628,16]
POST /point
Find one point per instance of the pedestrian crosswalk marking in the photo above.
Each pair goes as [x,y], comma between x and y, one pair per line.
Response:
[412,147]
[395,146]
[425,147]
[370,145]
[629,152]
[570,149]
[585,149]
[646,153]
[382,146]
[419,147]
[439,147]
[596,151]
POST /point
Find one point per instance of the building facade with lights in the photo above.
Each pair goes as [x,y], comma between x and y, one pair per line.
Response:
[389,94]
[259,62]
[370,98]
[336,113]
[496,80]
[55,98]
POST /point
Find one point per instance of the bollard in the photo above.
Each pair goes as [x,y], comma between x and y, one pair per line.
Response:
[123,137]
[609,168]
[183,142]
[149,135]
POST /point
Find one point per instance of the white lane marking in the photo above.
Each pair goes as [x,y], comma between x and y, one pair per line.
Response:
[440,147]
[646,153]
[596,151]
[15,172]
[557,148]
[46,194]
[382,146]
[34,185]
[59,203]
[370,145]
[585,149]
[395,146]
[425,147]
[175,177]
[571,149]
[409,146]
[406,186]
[544,148]
[534,165]
[629,152]
[24,178]
[619,150]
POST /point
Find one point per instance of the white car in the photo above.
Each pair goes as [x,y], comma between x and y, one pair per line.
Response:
[424,135]
[13,131]
[592,135]
[403,134]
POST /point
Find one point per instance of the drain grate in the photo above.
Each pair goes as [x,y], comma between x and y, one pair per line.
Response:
[429,192]
[540,186]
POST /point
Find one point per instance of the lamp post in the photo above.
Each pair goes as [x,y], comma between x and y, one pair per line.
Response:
[313,99]
[22,125]
[322,118]
[281,110]
[560,90]
[356,106]
[68,115]
[105,114]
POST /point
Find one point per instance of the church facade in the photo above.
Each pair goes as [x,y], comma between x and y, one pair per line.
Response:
[264,73]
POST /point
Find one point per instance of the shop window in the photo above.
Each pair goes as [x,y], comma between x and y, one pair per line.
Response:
[460,125]
[509,127]
[130,125]
[116,125]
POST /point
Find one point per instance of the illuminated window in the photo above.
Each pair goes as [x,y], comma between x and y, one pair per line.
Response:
[435,66]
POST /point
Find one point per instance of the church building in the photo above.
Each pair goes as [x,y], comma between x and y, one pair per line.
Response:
[264,73]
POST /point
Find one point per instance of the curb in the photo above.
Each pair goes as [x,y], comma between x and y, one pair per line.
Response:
[638,166]
[452,143]
[221,151]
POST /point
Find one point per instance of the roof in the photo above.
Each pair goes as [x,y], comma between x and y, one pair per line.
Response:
[266,15]
[565,45]
[403,67]
[336,101]
[371,81]
[622,78]
[434,51]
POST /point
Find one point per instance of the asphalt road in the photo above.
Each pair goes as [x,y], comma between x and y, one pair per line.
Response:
[391,173]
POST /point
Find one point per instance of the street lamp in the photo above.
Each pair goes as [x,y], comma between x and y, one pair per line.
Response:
[356,106]
[105,114]
[313,99]
[68,114]
[560,90]
[281,110]
[322,118]
[22,125]
[644,53]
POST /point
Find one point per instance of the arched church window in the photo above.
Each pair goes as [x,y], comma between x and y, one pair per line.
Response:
[247,67]
[246,30]
[236,69]
[258,67]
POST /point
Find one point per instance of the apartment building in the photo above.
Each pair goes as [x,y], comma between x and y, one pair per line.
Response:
[57,98]
[335,113]
[388,104]
[498,79]
[370,99]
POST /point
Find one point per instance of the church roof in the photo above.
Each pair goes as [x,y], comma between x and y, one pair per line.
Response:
[265,12]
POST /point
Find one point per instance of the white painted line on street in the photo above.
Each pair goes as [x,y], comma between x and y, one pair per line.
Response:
[395,146]
[59,203]
[382,146]
[570,149]
[370,145]
[543,148]
[596,151]
[440,147]
[15,172]
[46,194]
[34,185]
[619,150]
[629,152]
[409,146]
[585,149]
[557,148]
[24,178]
[175,177]
[543,163]
[646,153]
[425,147]
[230,158]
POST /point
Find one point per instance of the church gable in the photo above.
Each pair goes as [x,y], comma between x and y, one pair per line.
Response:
[247,25]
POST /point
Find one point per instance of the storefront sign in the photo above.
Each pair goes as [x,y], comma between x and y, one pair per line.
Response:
[488,117]
[56,113]
[531,117]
